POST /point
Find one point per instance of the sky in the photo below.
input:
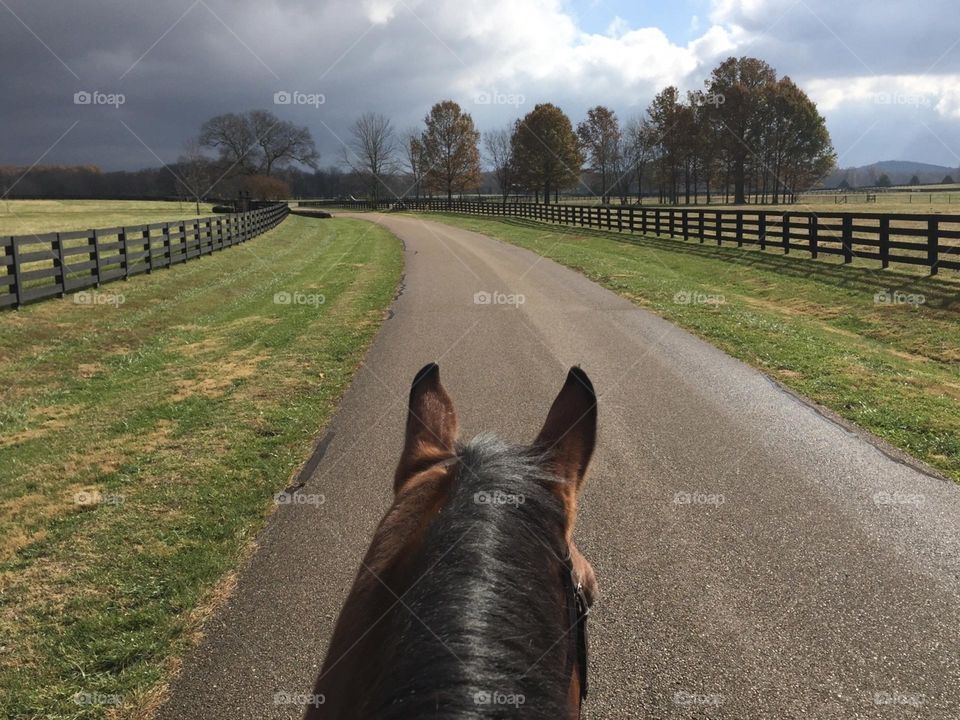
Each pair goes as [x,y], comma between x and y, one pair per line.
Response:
[125,84]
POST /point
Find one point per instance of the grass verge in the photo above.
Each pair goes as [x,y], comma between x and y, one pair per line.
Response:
[141,446]
[856,340]
[26,217]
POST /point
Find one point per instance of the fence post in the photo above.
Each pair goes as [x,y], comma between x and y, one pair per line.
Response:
[167,249]
[183,239]
[643,221]
[62,266]
[656,222]
[701,222]
[813,231]
[847,239]
[631,215]
[885,242]
[762,230]
[719,227]
[672,232]
[96,257]
[620,218]
[17,281]
[785,234]
[739,228]
[933,241]
[148,248]
[124,254]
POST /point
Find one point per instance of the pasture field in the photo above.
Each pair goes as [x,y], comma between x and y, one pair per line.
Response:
[24,217]
[880,348]
[901,203]
[142,443]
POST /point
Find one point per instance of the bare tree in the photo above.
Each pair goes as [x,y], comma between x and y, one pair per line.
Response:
[415,158]
[639,149]
[600,137]
[195,172]
[499,154]
[232,136]
[372,151]
[281,142]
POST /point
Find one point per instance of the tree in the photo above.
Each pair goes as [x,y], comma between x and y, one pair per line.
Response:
[415,158]
[884,181]
[740,82]
[798,151]
[281,142]
[258,142]
[600,137]
[372,151]
[232,136]
[914,181]
[450,144]
[496,144]
[948,180]
[669,124]
[195,172]
[545,151]
[638,149]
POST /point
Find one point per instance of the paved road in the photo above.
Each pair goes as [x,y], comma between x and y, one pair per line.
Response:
[810,575]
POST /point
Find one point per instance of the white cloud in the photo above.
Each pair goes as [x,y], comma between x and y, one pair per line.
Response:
[938,92]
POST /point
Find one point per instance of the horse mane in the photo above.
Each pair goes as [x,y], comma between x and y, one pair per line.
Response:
[485,624]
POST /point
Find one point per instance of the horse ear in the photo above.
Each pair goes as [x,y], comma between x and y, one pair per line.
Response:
[569,433]
[431,426]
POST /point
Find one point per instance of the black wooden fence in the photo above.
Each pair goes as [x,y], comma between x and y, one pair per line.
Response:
[34,267]
[932,241]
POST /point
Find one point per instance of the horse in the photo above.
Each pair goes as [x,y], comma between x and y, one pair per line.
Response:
[471,601]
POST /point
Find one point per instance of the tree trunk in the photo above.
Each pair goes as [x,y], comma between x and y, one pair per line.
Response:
[739,182]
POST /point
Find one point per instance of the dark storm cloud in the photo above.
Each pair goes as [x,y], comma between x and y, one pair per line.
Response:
[182,61]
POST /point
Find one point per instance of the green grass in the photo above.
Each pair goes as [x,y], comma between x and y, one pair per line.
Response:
[25,217]
[141,445]
[814,326]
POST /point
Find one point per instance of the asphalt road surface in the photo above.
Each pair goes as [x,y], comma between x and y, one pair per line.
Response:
[756,559]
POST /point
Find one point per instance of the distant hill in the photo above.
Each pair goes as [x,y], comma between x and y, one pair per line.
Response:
[899,171]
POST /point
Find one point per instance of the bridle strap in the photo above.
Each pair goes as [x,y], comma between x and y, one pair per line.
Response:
[579,608]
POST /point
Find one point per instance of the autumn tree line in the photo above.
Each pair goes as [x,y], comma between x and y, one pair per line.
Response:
[747,135]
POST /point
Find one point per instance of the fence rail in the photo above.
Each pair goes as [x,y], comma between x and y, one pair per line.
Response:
[35,267]
[932,241]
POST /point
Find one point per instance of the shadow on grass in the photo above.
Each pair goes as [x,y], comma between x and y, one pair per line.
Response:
[940,293]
